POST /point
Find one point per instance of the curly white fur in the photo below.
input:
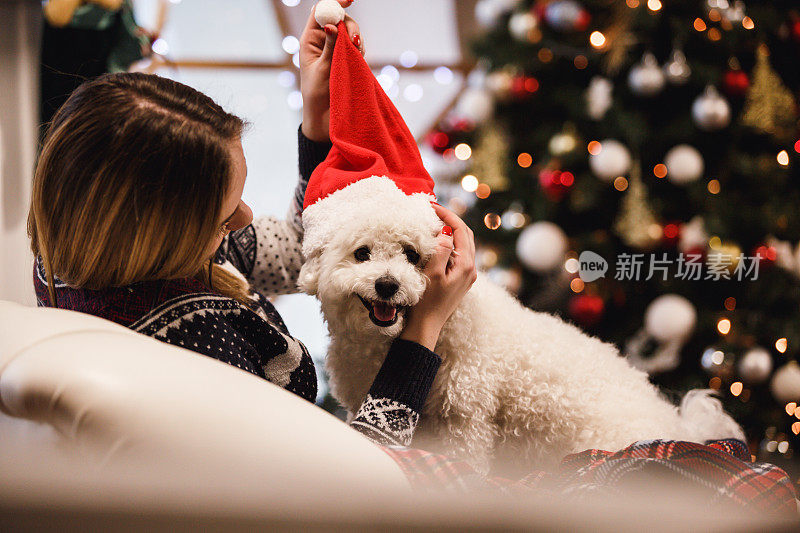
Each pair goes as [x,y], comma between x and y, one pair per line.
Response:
[516,388]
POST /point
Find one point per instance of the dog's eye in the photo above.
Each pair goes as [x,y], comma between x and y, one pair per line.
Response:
[412,255]
[362,254]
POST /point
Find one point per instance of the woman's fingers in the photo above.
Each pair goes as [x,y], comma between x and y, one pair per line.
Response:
[462,235]
[437,264]
[354,32]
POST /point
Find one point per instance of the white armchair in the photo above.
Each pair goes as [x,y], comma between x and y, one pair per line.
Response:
[101,427]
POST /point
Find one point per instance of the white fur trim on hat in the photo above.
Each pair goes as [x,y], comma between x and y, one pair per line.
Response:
[376,200]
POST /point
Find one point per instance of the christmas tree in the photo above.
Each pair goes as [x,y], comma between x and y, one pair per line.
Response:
[633,166]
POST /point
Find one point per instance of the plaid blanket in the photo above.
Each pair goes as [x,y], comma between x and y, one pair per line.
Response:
[720,471]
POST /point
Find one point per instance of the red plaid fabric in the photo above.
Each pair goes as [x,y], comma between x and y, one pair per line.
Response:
[720,470]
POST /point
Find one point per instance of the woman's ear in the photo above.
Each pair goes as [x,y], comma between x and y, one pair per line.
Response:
[308,280]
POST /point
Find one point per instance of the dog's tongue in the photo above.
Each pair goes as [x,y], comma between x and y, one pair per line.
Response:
[383,312]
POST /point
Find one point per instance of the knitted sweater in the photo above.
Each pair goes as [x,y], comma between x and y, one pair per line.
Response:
[267,253]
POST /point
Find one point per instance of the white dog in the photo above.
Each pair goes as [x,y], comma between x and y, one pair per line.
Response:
[517,388]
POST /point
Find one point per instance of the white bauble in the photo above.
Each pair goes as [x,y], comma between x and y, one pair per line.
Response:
[613,160]
[476,105]
[563,15]
[756,365]
[670,317]
[541,246]
[677,69]
[487,12]
[599,97]
[328,12]
[711,111]
[785,384]
[646,78]
[693,235]
[684,164]
[521,24]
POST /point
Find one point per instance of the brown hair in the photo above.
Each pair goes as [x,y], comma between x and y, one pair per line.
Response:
[130,183]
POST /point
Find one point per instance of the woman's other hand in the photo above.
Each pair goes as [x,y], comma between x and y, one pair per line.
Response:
[316,52]
[451,272]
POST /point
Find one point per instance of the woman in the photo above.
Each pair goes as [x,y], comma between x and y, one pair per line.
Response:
[137,217]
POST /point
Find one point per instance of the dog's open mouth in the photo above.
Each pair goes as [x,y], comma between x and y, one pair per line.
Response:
[381,313]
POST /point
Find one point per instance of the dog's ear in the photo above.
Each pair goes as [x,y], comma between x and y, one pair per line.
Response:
[308,280]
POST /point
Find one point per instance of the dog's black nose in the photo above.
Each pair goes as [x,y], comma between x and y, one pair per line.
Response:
[386,286]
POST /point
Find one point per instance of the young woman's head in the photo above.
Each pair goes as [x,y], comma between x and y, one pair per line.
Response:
[139,178]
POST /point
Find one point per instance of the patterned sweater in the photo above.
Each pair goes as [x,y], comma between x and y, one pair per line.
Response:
[267,253]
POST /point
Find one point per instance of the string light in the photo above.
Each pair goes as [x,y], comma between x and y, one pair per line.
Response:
[524,160]
[483,191]
[714,34]
[736,388]
[492,221]
[797,147]
[290,44]
[671,231]
[781,344]
[660,170]
[572,265]
[581,62]
[655,231]
[713,186]
[594,147]
[699,25]
[714,242]
[463,151]
[783,158]
[633,4]
[654,5]
[620,183]
[715,383]
[730,303]
[748,24]
[597,39]
[545,55]
[790,408]
[724,326]
[567,179]
[797,412]
[783,446]
[577,285]
[796,428]
[469,183]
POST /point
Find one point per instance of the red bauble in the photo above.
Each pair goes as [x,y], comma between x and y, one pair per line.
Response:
[766,255]
[523,86]
[583,20]
[439,141]
[555,183]
[586,309]
[735,82]
[671,233]
[796,30]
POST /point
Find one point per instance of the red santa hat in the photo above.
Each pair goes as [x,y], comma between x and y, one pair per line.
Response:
[374,157]
[368,134]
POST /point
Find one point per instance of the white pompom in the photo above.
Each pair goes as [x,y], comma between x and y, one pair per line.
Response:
[328,12]
[613,160]
[670,317]
[785,383]
[541,246]
[684,164]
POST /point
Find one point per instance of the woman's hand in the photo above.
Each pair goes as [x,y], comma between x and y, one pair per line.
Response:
[451,272]
[316,52]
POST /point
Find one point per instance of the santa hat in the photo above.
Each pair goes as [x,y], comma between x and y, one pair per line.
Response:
[373,150]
